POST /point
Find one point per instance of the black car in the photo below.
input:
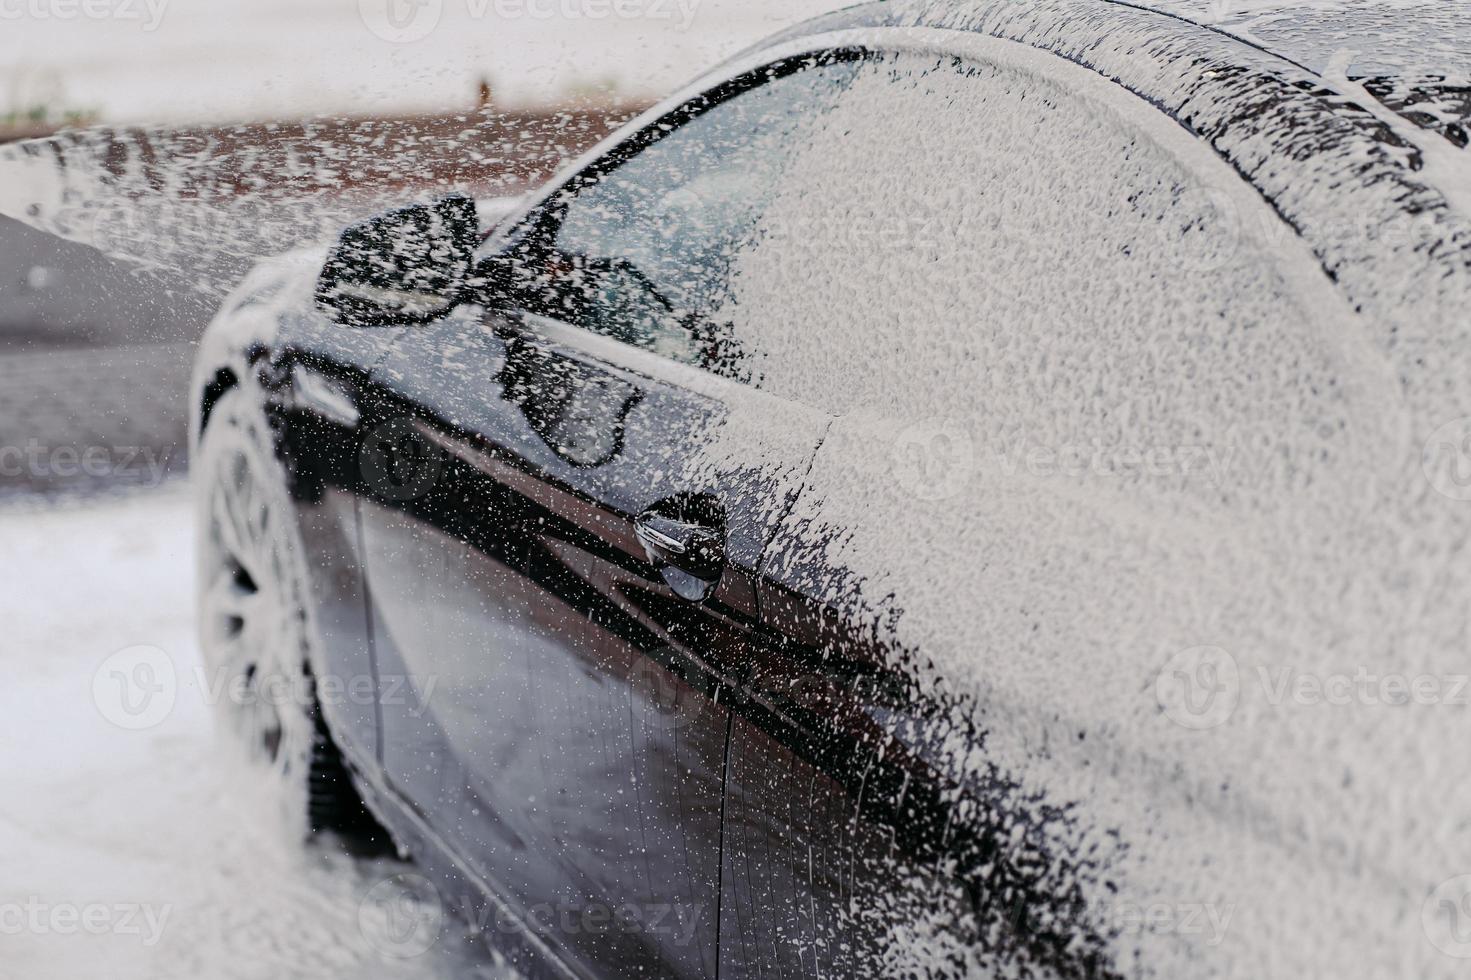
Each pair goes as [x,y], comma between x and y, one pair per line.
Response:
[886,509]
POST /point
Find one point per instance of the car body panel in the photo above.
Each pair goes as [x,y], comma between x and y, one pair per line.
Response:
[574,747]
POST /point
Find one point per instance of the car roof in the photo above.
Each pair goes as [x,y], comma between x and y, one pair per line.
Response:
[1361,38]
[1367,37]
[1412,56]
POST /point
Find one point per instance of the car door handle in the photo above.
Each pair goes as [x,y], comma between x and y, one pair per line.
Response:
[689,555]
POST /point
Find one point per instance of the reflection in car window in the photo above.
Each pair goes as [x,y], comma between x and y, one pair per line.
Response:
[644,254]
[578,411]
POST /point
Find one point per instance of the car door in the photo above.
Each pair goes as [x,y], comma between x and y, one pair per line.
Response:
[570,591]
[982,749]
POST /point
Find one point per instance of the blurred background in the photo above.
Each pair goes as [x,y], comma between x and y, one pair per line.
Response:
[150,151]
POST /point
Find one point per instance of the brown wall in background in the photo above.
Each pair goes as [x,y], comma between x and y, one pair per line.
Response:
[486,149]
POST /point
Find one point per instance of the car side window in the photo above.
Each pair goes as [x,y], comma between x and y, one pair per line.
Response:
[643,252]
[978,239]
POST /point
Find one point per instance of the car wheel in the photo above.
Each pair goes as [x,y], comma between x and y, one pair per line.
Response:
[253,622]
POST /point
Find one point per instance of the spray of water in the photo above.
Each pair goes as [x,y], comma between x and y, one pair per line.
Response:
[202,204]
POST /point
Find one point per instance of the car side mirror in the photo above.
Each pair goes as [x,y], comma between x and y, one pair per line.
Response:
[409,265]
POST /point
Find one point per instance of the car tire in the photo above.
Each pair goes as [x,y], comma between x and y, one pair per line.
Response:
[254,624]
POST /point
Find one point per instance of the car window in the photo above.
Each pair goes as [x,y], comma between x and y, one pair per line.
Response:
[959,240]
[643,252]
